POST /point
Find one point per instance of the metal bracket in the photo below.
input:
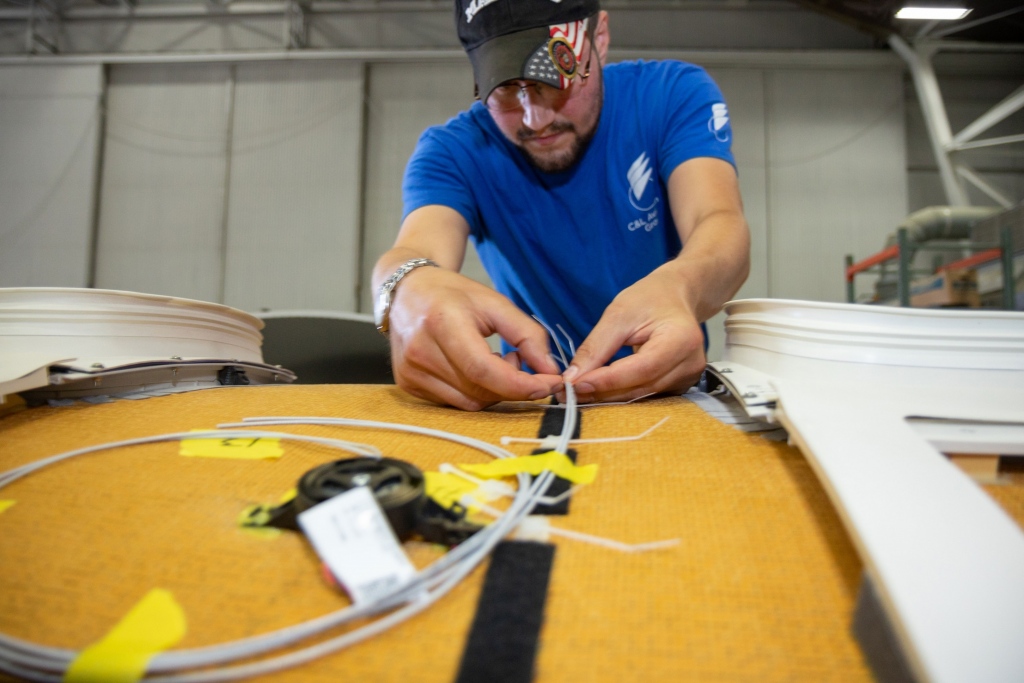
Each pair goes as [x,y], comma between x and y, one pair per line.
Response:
[751,388]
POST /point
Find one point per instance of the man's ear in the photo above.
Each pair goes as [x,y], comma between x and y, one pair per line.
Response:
[602,37]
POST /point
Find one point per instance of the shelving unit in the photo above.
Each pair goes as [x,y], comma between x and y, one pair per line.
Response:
[903,252]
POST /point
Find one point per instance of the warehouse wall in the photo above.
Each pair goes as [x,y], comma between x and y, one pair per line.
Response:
[49,135]
[275,185]
[237,184]
[244,183]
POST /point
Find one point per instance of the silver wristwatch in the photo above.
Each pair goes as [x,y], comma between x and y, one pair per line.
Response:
[382,305]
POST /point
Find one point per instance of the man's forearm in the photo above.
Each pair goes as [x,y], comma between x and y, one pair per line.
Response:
[714,263]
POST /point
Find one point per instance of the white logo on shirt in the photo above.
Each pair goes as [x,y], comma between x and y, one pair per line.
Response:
[639,177]
[719,119]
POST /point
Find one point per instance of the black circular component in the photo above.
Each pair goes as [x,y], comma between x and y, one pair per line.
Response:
[397,486]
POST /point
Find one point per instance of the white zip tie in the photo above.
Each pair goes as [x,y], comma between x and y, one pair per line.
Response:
[611,544]
[607,403]
[531,404]
[547,443]
[493,486]
[533,528]
[506,440]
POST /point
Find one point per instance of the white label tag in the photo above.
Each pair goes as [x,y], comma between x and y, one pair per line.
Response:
[352,536]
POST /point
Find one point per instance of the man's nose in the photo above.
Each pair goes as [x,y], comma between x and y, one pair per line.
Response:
[536,115]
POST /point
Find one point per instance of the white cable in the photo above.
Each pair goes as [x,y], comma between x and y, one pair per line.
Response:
[435,580]
[568,339]
[554,337]
[350,446]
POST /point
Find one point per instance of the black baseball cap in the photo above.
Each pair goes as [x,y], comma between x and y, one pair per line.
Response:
[539,40]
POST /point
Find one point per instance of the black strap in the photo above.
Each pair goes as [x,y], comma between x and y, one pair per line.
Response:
[502,643]
[877,637]
[551,425]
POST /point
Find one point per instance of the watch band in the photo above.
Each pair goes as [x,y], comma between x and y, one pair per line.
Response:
[382,306]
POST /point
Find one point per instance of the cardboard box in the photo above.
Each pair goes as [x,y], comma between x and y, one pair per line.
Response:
[955,287]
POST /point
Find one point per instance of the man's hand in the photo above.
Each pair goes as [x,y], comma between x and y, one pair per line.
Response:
[439,324]
[652,317]
[660,315]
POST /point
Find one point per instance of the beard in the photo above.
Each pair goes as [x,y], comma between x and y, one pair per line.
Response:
[566,159]
[561,161]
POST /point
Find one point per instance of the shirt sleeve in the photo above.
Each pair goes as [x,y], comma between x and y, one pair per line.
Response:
[696,120]
[433,177]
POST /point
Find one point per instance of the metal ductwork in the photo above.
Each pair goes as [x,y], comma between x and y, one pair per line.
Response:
[942,223]
[925,225]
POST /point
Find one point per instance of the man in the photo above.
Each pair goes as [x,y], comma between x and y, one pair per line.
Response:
[578,183]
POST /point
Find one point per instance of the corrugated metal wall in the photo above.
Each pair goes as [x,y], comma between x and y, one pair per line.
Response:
[49,133]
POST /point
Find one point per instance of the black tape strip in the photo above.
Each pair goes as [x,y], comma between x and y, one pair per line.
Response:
[502,643]
[551,425]
[877,637]
[554,418]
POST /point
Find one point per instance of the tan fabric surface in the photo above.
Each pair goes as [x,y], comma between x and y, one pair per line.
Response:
[761,588]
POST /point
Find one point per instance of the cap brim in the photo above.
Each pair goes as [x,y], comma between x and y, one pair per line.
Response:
[505,58]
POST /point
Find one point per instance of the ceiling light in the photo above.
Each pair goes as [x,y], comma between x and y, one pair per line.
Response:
[940,13]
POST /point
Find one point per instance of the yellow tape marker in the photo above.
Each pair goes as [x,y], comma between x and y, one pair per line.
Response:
[559,463]
[5,505]
[446,489]
[156,623]
[246,448]
[253,519]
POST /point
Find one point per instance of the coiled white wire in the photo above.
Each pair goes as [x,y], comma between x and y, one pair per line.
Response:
[47,664]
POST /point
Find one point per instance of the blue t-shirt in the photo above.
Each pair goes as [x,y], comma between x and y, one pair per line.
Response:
[561,246]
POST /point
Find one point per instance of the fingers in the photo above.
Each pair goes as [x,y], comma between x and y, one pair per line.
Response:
[602,343]
[439,347]
[512,358]
[482,374]
[450,362]
[522,332]
[431,388]
[671,360]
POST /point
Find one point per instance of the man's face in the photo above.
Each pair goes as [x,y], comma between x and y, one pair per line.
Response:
[554,132]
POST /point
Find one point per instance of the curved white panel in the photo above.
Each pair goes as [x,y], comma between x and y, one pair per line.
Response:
[95,331]
[945,557]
